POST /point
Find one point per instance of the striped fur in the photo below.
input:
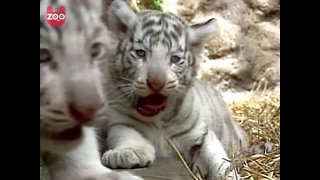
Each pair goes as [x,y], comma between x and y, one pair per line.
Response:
[195,118]
[71,57]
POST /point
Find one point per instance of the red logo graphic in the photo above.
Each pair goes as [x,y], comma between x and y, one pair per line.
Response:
[56,19]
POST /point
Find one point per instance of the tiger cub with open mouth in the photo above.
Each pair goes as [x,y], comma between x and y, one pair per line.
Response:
[157,96]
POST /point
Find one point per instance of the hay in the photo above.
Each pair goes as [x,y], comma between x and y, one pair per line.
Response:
[259,116]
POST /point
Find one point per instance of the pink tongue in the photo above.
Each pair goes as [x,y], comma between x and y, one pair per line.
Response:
[151,105]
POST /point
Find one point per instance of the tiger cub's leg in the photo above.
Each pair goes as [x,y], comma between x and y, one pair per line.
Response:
[208,154]
[127,149]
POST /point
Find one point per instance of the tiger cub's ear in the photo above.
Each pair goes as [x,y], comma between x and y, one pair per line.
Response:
[121,17]
[199,34]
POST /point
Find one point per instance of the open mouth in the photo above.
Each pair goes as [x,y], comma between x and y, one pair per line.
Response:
[151,105]
[71,134]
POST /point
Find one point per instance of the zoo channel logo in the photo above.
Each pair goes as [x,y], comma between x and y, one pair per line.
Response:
[56,19]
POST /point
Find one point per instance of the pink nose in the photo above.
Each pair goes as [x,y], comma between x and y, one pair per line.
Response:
[155,86]
[82,115]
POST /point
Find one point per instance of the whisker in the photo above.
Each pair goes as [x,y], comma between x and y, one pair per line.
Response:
[119,95]
[179,90]
[140,82]
[115,101]
[171,87]
[182,89]
[124,85]
[127,92]
[123,78]
[171,82]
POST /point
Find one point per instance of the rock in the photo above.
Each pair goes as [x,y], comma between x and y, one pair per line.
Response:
[246,48]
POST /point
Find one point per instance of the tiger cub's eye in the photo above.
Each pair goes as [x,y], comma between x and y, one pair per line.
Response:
[175,59]
[45,56]
[141,53]
[96,50]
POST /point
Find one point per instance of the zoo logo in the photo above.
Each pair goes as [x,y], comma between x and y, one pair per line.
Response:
[56,19]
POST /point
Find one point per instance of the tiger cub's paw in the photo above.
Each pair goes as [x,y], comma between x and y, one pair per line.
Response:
[127,158]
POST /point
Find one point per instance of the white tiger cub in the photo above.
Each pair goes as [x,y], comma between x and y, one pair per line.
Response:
[157,97]
[71,91]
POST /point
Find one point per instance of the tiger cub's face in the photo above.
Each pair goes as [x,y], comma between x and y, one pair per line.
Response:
[157,56]
[71,78]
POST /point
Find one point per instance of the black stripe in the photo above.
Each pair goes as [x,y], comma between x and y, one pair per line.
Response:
[122,64]
[156,34]
[202,24]
[167,42]
[190,60]
[177,28]
[131,39]
[148,24]
[163,22]
[144,16]
[166,35]
[149,32]
[174,36]
[181,63]
[171,82]
[167,39]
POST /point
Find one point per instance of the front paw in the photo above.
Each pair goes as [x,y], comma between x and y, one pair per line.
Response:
[127,158]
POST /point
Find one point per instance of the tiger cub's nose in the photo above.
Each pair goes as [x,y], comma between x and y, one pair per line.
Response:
[155,86]
[81,114]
